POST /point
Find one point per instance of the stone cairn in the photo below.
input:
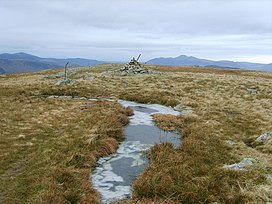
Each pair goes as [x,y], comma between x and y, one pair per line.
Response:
[134,67]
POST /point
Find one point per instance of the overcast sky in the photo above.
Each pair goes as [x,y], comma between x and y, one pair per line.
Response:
[120,29]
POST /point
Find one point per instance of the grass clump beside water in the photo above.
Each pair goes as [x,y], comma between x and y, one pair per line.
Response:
[169,122]
[48,146]
[194,173]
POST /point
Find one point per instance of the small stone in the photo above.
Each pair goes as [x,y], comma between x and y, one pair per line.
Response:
[88,78]
[251,90]
[62,81]
[65,82]
[230,142]
[21,136]
[246,162]
[264,137]
[52,97]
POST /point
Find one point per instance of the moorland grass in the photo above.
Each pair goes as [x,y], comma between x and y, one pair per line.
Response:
[49,146]
[224,111]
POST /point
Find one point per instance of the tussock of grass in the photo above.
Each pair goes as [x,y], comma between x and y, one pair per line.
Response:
[169,122]
[150,97]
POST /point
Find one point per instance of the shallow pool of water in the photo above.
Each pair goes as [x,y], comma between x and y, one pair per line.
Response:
[115,174]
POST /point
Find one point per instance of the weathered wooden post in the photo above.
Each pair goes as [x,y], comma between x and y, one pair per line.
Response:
[65,71]
[138,57]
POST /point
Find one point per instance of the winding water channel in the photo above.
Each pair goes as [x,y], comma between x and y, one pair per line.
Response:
[115,174]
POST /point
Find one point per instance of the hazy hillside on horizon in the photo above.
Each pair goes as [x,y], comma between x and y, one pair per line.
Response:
[184,60]
[23,62]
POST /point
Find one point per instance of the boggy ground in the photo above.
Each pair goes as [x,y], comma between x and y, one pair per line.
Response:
[48,146]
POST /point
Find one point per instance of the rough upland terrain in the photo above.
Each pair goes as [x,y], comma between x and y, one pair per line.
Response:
[49,146]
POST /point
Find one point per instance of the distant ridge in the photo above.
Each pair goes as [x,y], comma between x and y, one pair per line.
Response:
[184,60]
[23,62]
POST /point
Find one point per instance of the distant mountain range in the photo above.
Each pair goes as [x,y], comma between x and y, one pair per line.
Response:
[184,60]
[23,62]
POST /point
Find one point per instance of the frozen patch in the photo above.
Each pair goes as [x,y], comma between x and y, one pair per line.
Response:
[115,174]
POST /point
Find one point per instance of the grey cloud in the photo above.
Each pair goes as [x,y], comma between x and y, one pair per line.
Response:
[117,29]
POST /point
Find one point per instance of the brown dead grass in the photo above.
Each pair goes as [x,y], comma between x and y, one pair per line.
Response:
[169,122]
[207,70]
[194,174]
[49,146]
[224,110]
